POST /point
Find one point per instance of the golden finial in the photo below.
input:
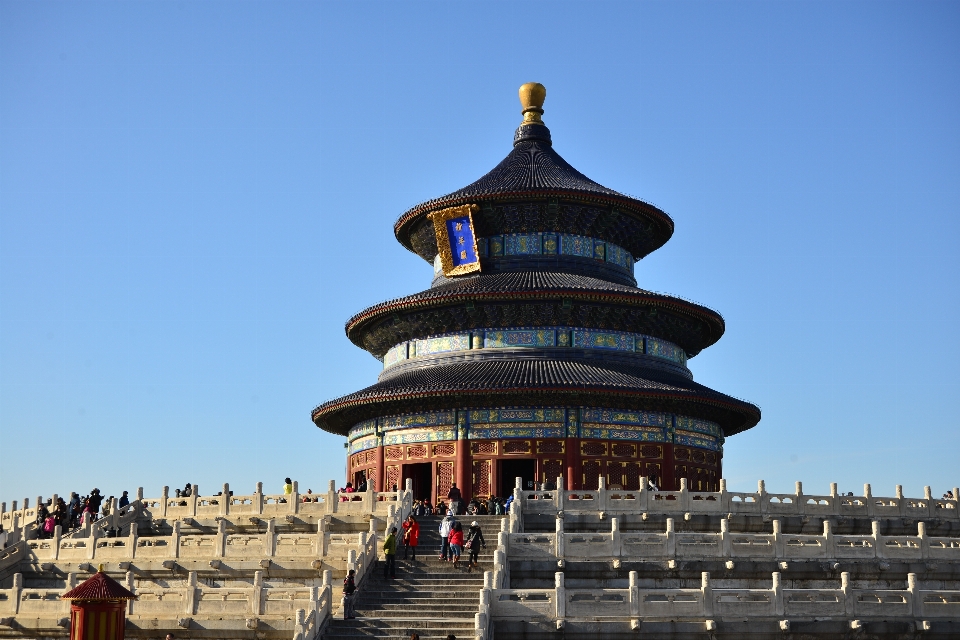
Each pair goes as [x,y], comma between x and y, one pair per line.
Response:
[532,95]
[100,568]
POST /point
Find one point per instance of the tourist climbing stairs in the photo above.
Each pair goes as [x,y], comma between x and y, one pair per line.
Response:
[428,597]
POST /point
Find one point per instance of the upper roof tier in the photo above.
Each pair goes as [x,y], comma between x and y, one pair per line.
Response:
[556,197]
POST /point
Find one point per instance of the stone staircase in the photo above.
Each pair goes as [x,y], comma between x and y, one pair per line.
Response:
[428,597]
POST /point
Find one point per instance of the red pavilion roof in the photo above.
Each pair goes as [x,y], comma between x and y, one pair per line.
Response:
[99,587]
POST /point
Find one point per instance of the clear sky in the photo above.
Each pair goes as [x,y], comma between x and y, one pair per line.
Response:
[194,197]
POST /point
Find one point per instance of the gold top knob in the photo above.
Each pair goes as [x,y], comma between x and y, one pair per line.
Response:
[532,95]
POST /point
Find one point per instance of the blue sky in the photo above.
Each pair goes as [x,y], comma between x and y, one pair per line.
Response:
[194,197]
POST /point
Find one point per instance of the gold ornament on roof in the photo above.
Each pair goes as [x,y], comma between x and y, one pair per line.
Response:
[532,95]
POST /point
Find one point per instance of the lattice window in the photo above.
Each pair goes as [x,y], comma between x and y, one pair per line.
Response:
[653,471]
[711,458]
[444,479]
[417,451]
[631,475]
[698,457]
[551,470]
[516,446]
[393,453]
[680,471]
[615,475]
[445,449]
[549,446]
[485,448]
[681,454]
[482,472]
[624,450]
[651,451]
[591,474]
[593,449]
[393,477]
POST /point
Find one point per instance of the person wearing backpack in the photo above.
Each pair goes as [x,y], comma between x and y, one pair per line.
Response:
[349,588]
[474,543]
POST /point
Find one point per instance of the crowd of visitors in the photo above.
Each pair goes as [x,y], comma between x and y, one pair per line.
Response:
[68,515]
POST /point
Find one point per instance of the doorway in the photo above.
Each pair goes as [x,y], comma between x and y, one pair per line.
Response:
[510,470]
[422,476]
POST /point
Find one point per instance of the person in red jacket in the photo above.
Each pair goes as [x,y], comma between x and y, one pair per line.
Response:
[411,535]
[456,543]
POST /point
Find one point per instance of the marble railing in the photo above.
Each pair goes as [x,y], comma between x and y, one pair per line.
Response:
[194,506]
[726,544]
[179,602]
[738,503]
[635,603]
[222,544]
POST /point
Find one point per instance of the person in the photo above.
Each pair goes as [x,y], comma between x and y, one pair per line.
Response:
[170,636]
[652,484]
[474,543]
[287,489]
[124,500]
[186,493]
[347,489]
[549,485]
[390,554]
[450,636]
[349,587]
[506,505]
[455,498]
[445,526]
[411,536]
[308,496]
[362,487]
[414,636]
[456,544]
[49,525]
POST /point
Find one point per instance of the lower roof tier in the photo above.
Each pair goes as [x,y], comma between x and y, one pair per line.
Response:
[533,382]
[534,298]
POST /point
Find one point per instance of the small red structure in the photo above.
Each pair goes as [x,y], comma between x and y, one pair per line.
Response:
[97,610]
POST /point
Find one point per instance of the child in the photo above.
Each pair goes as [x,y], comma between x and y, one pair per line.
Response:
[456,543]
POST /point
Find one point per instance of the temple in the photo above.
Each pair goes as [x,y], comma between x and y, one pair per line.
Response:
[534,354]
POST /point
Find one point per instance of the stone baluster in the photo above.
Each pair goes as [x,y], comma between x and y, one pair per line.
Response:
[706,593]
[331,500]
[928,499]
[799,500]
[615,550]
[602,495]
[270,538]
[830,545]
[684,494]
[258,499]
[671,539]
[956,499]
[561,595]
[868,499]
[221,544]
[94,535]
[643,498]
[190,596]
[225,500]
[559,538]
[351,560]
[916,602]
[362,546]
[164,499]
[193,500]
[924,540]
[725,543]
[57,535]
[132,540]
[634,595]
[848,601]
[778,541]
[131,587]
[17,591]
[762,497]
[777,594]
[114,515]
[294,501]
[880,550]
[175,539]
[256,600]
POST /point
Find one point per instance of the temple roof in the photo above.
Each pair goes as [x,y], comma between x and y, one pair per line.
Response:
[690,325]
[533,170]
[537,382]
[99,587]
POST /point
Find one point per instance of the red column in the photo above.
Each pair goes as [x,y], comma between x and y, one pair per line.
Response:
[462,472]
[381,470]
[570,462]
